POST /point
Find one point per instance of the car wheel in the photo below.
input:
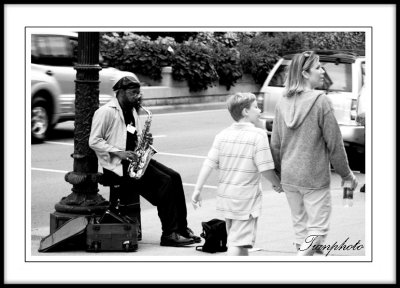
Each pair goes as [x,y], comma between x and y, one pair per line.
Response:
[40,120]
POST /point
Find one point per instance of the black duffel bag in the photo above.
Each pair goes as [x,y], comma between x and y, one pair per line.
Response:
[215,235]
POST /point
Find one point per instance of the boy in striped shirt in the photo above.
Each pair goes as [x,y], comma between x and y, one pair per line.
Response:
[241,154]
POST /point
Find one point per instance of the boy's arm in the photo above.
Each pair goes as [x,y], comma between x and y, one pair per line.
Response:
[209,164]
[271,176]
[265,163]
[203,175]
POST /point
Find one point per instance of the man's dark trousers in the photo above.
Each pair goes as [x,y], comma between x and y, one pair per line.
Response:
[162,187]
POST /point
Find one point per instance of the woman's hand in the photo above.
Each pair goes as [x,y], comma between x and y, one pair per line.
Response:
[278,188]
[352,179]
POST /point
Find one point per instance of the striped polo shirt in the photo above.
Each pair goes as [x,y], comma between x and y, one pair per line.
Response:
[240,152]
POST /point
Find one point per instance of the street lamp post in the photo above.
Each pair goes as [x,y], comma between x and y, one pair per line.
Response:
[84,199]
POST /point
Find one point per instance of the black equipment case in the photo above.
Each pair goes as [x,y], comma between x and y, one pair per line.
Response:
[105,236]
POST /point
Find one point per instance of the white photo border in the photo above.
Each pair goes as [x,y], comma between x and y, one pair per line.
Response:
[18,17]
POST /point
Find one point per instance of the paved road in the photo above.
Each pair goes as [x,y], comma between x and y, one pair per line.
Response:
[182,139]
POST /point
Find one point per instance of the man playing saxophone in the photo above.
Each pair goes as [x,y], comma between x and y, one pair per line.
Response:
[114,137]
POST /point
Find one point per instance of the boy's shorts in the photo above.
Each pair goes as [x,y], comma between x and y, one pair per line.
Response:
[241,233]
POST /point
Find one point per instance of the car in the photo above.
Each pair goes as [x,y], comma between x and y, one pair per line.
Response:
[53,57]
[343,84]
[354,137]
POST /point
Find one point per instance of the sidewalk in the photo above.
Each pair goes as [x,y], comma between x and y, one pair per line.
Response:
[274,236]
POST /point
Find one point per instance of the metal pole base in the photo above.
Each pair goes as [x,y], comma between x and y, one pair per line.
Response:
[82,204]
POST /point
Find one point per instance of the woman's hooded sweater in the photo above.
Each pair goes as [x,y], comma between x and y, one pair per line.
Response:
[305,139]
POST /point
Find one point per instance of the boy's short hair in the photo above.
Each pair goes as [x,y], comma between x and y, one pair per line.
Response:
[237,102]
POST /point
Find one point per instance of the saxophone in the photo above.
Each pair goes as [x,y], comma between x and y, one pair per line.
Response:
[144,151]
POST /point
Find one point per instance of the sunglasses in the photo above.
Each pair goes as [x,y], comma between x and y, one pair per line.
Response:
[134,91]
[307,55]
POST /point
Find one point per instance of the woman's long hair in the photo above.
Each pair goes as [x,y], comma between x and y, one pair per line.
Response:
[295,82]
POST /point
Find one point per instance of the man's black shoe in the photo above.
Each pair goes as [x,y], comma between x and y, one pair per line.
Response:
[188,233]
[175,240]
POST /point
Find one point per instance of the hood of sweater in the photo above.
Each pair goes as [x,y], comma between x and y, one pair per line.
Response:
[296,108]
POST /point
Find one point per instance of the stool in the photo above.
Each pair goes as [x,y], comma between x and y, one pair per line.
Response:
[131,209]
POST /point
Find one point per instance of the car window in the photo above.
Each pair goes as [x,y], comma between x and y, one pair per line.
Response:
[278,80]
[73,42]
[52,50]
[337,77]
[56,47]
[38,49]
[34,52]
[41,47]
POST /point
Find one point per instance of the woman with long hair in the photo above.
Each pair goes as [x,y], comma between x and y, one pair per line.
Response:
[305,140]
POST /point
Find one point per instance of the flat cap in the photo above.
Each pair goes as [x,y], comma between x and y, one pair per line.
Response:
[127,82]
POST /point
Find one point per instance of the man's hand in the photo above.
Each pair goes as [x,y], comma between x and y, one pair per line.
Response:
[149,138]
[126,155]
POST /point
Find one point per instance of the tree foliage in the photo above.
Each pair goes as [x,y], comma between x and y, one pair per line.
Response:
[202,58]
[225,57]
[258,56]
[136,53]
[194,63]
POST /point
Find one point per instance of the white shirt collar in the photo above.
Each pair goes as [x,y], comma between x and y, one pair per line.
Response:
[243,124]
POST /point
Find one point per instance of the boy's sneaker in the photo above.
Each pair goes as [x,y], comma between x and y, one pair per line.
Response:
[175,240]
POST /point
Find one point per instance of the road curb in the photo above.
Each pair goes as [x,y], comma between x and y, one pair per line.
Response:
[161,109]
